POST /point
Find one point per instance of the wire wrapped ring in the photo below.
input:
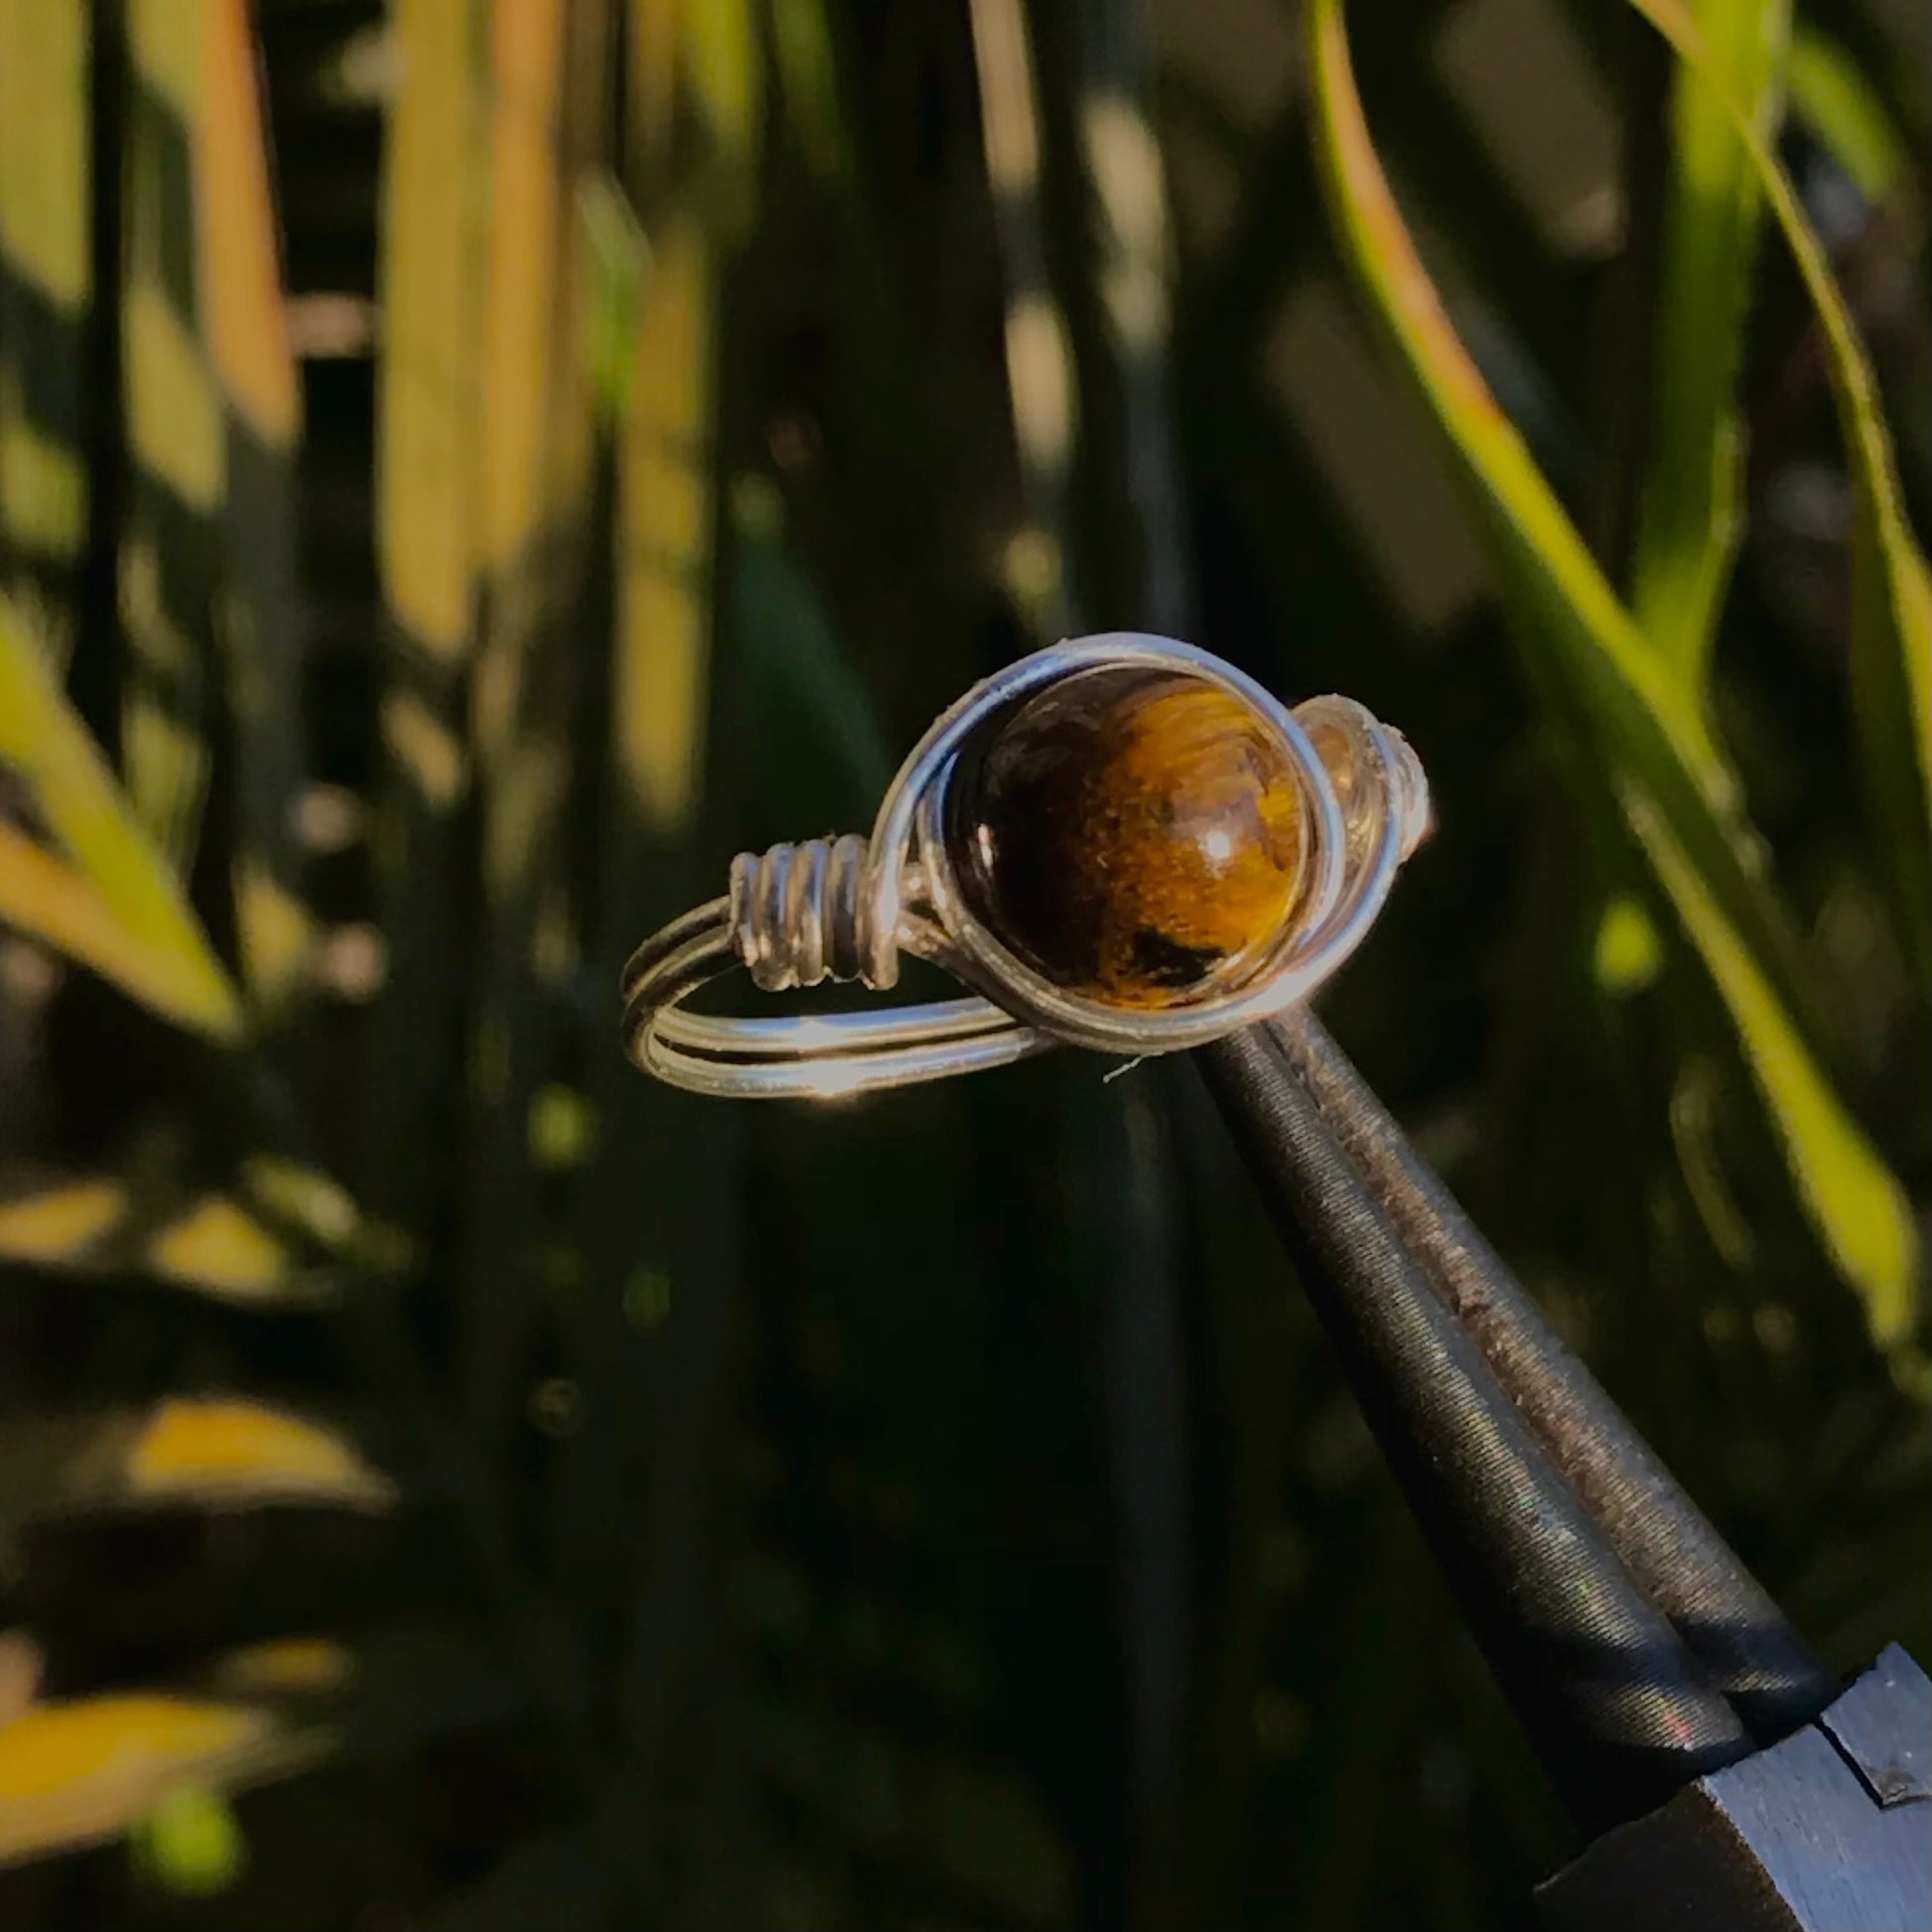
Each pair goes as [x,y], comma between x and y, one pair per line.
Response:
[847,909]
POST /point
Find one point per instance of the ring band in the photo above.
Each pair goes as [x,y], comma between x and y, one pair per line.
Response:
[1348,806]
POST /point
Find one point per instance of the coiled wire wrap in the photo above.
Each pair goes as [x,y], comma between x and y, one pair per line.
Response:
[794,912]
[846,909]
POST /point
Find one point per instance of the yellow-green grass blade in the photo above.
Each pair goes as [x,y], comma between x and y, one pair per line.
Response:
[150,1762]
[137,927]
[548,142]
[44,143]
[653,91]
[664,487]
[664,510]
[1853,1197]
[628,1193]
[45,896]
[665,501]
[723,75]
[1041,389]
[1648,719]
[45,285]
[77,1771]
[1892,592]
[1689,514]
[660,656]
[548,134]
[100,1224]
[169,564]
[238,255]
[521,285]
[808,80]
[216,1452]
[433,211]
[316,1206]
[153,1762]
[615,260]
[1834,99]
[1644,727]
[244,324]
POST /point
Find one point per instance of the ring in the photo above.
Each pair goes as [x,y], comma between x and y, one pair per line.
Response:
[1119,843]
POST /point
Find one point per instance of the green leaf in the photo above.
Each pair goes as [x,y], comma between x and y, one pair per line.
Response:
[92,1767]
[44,232]
[808,78]
[170,565]
[1690,516]
[1858,1205]
[1627,955]
[617,261]
[118,908]
[218,1454]
[664,534]
[1835,100]
[1638,718]
[1892,592]
[43,159]
[155,1763]
[428,523]
[1646,720]
[720,57]
[243,314]
[95,1225]
[233,1453]
[190,1844]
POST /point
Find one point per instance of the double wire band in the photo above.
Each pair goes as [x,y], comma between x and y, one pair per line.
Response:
[1336,798]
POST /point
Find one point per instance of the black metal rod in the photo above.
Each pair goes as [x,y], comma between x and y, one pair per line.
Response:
[1748,1648]
[1615,1704]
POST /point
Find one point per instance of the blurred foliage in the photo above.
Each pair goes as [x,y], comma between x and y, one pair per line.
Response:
[468,467]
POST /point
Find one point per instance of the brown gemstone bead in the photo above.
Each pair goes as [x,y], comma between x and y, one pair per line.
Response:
[1135,837]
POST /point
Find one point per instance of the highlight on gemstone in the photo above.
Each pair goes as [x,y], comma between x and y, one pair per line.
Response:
[1137,837]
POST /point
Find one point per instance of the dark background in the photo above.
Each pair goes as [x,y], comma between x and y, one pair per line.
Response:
[941,1510]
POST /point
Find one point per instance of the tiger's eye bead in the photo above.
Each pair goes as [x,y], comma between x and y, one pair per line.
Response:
[1135,837]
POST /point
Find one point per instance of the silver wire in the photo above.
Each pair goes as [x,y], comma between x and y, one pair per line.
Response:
[847,909]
